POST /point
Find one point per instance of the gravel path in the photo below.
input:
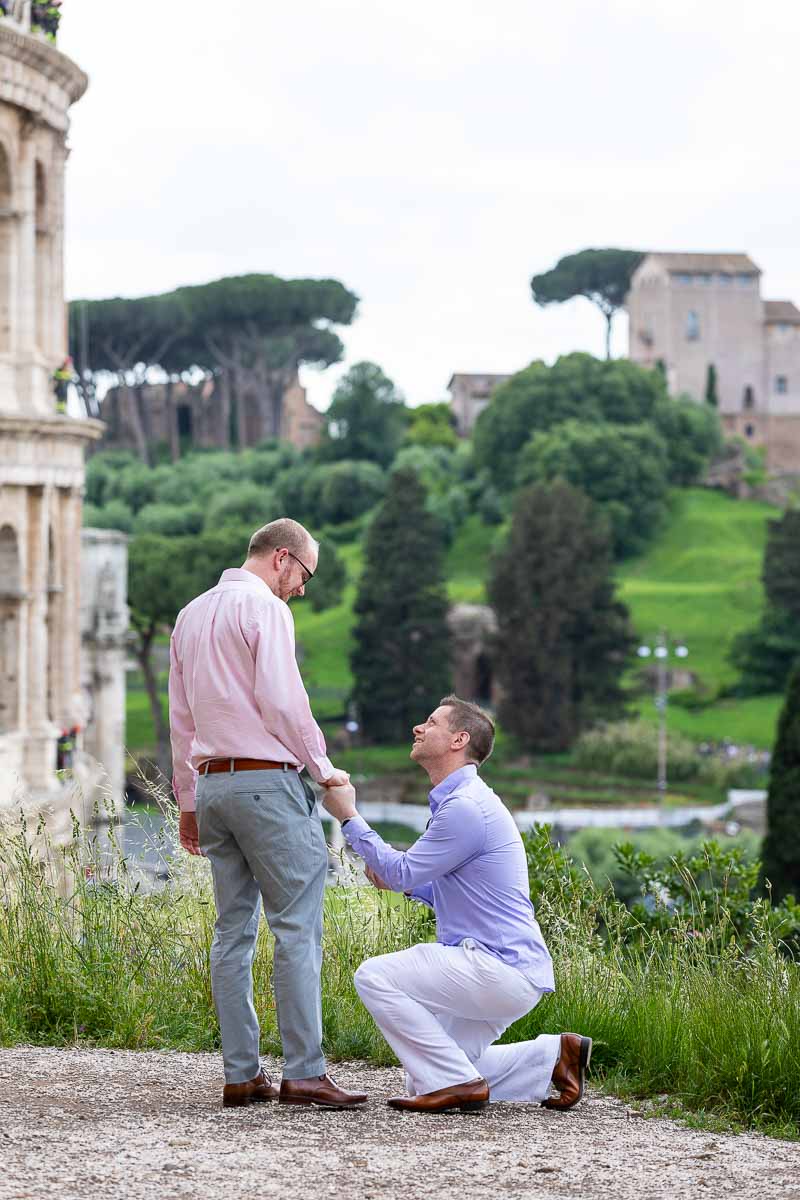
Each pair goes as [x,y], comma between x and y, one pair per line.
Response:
[120,1124]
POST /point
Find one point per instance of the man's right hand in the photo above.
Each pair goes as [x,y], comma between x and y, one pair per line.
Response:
[336,779]
[188,833]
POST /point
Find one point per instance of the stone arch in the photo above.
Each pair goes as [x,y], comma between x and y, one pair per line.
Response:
[10,601]
[42,338]
[6,248]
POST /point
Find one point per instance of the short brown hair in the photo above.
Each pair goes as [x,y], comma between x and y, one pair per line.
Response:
[473,720]
[283,534]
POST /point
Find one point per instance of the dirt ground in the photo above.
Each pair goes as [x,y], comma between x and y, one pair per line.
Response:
[104,1123]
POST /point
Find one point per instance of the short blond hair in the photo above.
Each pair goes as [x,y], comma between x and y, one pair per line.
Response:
[283,534]
[472,719]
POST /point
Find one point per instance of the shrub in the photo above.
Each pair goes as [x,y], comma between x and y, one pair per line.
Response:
[171,520]
[114,515]
[245,504]
[629,748]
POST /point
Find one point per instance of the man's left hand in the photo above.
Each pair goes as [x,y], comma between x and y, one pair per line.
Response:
[340,801]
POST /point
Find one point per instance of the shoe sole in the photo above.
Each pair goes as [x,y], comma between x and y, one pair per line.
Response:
[324,1104]
[248,1101]
[584,1058]
[465,1106]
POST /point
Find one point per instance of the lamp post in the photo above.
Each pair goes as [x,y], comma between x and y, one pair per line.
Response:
[661,651]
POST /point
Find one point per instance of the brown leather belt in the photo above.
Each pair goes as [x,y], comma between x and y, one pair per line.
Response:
[242,764]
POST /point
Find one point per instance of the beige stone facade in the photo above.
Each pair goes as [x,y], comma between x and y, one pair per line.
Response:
[691,312]
[469,396]
[41,454]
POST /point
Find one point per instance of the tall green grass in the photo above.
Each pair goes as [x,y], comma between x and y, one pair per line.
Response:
[694,1009]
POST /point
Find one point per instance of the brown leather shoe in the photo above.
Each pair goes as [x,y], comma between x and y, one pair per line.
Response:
[466,1097]
[257,1090]
[321,1091]
[569,1075]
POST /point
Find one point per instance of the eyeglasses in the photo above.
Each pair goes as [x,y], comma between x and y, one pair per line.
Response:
[309,574]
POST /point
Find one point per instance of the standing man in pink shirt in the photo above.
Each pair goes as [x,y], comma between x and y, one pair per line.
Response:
[242,730]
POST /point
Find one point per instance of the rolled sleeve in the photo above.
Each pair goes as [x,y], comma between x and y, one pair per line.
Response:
[281,697]
[181,734]
[455,834]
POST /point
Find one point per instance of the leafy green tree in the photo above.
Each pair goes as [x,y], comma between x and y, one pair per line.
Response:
[766,655]
[692,435]
[160,583]
[341,491]
[401,652]
[590,390]
[577,386]
[781,852]
[781,574]
[602,276]
[366,419]
[169,519]
[114,515]
[563,639]
[623,468]
[245,504]
[330,577]
[432,425]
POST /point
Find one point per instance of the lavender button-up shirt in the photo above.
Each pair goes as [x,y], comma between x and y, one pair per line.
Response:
[470,867]
[234,685]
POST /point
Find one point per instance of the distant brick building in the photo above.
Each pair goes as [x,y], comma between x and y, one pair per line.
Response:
[180,415]
[702,317]
[469,395]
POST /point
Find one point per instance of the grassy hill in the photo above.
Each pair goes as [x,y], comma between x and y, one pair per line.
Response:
[699,581]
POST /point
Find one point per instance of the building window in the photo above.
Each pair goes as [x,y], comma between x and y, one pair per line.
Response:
[749,430]
[683,278]
[781,385]
[748,400]
[744,280]
[703,277]
[692,326]
[725,280]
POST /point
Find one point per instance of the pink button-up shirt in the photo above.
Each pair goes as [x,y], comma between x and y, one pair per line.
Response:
[234,685]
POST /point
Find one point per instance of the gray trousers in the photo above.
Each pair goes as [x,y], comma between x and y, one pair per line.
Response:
[265,843]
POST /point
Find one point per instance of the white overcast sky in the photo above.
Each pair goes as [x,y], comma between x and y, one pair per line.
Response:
[432,155]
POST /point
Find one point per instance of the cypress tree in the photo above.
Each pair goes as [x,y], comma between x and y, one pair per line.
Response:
[563,638]
[711,386]
[401,656]
[781,850]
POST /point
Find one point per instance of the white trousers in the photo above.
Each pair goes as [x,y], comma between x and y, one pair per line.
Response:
[441,1007]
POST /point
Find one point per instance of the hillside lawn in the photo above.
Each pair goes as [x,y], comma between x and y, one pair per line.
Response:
[699,582]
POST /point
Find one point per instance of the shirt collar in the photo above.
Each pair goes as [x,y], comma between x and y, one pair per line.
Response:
[450,783]
[239,575]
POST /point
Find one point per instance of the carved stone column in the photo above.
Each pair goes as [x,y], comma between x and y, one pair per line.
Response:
[41,733]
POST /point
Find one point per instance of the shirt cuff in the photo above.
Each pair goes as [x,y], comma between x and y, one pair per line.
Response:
[321,769]
[354,828]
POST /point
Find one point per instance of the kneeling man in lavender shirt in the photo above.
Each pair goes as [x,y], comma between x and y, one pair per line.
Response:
[442,1005]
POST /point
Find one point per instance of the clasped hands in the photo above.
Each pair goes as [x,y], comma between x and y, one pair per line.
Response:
[339,799]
